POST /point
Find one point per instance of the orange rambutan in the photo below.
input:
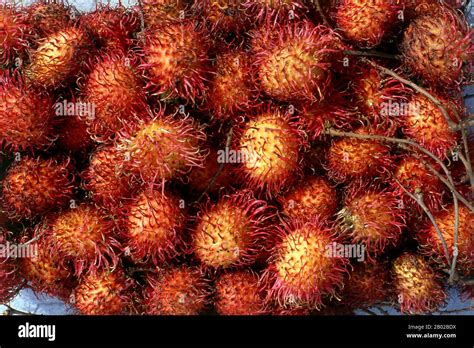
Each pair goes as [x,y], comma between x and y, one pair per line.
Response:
[48,17]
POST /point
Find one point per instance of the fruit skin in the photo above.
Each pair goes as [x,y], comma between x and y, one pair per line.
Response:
[425,124]
[416,284]
[226,16]
[357,159]
[106,180]
[105,293]
[10,280]
[431,244]
[239,293]
[373,217]
[154,222]
[26,117]
[159,12]
[415,176]
[294,65]
[366,24]
[231,232]
[115,91]
[438,47]
[274,11]
[315,197]
[35,186]
[300,273]
[58,58]
[162,148]
[84,236]
[48,17]
[176,62]
[14,34]
[269,145]
[73,135]
[176,291]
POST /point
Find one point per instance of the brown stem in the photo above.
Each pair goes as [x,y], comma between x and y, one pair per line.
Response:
[322,14]
[375,54]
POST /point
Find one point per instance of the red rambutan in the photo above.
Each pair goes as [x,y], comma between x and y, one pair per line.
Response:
[14,33]
[367,23]
[176,61]
[36,186]
[48,17]
[239,293]
[73,135]
[416,284]
[300,271]
[105,293]
[316,197]
[227,16]
[159,12]
[10,280]
[230,232]
[176,291]
[437,46]
[274,11]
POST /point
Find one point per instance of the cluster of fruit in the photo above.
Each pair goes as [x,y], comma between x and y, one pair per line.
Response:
[237,156]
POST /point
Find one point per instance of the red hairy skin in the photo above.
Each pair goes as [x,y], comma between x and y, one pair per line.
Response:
[159,12]
[35,186]
[415,8]
[73,135]
[116,93]
[106,179]
[239,293]
[425,124]
[372,217]
[176,62]
[269,146]
[366,23]
[112,28]
[416,284]
[48,17]
[58,58]
[227,16]
[367,285]
[295,64]
[431,244]
[315,197]
[439,47]
[154,223]
[44,272]
[83,235]
[232,91]
[352,158]
[417,178]
[230,233]
[162,148]
[106,293]
[26,117]
[274,11]
[10,280]
[176,291]
[14,35]
[300,273]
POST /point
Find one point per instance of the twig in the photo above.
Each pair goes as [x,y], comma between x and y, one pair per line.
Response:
[370,54]
[322,14]
[452,272]
[368,311]
[13,311]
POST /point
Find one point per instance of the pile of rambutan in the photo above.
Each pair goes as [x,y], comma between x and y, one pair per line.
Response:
[187,157]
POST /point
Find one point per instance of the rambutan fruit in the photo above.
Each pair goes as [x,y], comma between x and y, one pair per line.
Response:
[105,293]
[73,135]
[163,148]
[230,232]
[415,176]
[83,235]
[112,28]
[315,197]
[14,34]
[44,272]
[367,23]
[239,293]
[232,87]
[227,16]
[10,280]
[26,117]
[274,11]
[300,271]
[354,158]
[58,58]
[438,46]
[176,291]
[367,285]
[269,145]
[115,91]
[106,180]
[431,243]
[373,217]
[36,186]
[176,61]
[48,17]
[159,12]
[295,64]
[425,123]
[416,284]
[153,224]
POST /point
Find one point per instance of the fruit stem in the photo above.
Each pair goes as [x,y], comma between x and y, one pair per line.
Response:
[370,54]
